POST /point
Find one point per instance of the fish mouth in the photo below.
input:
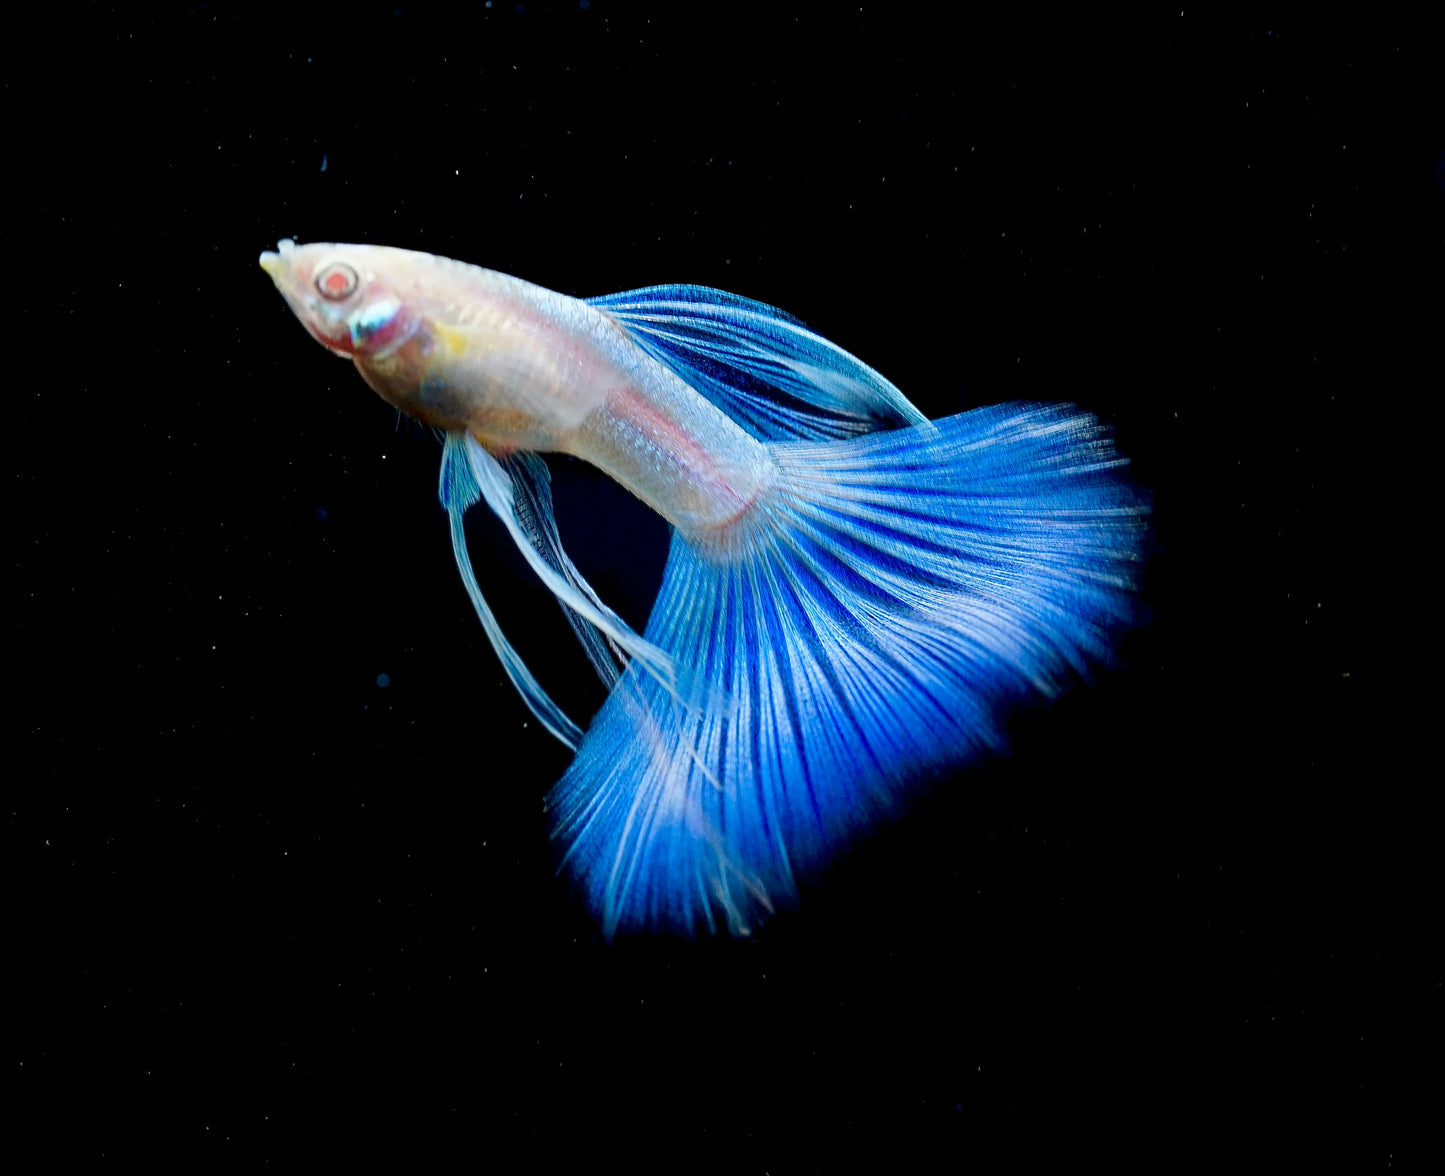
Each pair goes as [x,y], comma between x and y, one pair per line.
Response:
[273,263]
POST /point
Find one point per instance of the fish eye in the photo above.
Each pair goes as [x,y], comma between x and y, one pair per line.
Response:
[336,281]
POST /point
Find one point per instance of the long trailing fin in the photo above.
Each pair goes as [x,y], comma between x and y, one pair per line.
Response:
[686,688]
[532,500]
[531,484]
[459,490]
[888,602]
[770,373]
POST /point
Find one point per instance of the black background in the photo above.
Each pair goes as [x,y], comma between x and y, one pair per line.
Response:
[264,908]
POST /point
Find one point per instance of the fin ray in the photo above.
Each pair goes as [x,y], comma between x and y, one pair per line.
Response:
[765,369]
[459,491]
[685,688]
[532,487]
[859,657]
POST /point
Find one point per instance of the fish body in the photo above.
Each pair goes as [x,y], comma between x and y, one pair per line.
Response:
[519,367]
[854,597]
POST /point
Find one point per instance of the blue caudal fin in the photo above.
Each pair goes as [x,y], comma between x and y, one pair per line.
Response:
[885,604]
[878,612]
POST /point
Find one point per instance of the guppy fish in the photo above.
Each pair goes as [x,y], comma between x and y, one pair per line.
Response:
[854,594]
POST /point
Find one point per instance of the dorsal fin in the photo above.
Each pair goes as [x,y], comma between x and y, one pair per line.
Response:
[779,380]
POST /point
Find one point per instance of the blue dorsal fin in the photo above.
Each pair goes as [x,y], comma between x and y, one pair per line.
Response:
[779,380]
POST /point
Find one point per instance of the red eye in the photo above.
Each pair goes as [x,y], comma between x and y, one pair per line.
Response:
[336,281]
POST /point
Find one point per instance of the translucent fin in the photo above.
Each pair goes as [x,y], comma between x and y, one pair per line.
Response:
[532,500]
[685,688]
[459,490]
[887,604]
[765,369]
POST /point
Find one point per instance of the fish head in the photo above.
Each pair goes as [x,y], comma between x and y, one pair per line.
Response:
[341,296]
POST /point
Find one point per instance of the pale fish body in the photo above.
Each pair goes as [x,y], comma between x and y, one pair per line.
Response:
[854,597]
[518,367]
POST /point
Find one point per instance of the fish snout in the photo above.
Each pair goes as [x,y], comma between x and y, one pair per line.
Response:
[273,263]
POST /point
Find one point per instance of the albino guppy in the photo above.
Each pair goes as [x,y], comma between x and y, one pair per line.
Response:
[853,597]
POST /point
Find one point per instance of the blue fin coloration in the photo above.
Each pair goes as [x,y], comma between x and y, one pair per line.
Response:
[886,603]
[879,610]
[771,374]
